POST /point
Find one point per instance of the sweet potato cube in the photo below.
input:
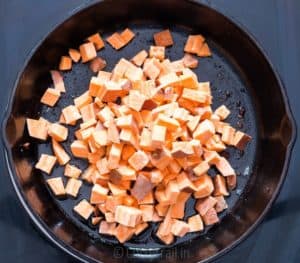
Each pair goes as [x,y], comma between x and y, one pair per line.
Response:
[83,100]
[190,61]
[134,73]
[203,205]
[147,212]
[228,134]
[125,121]
[95,85]
[114,155]
[79,149]
[109,217]
[194,95]
[58,132]
[204,51]
[116,190]
[84,209]
[194,44]
[73,186]
[58,81]
[224,167]
[57,186]
[179,228]
[177,209]
[210,217]
[140,228]
[127,35]
[74,54]
[147,200]
[170,123]
[124,233]
[167,239]
[112,202]
[136,100]
[37,128]
[220,186]
[195,223]
[240,140]
[128,216]
[204,186]
[126,172]
[97,64]
[60,153]
[201,168]
[139,58]
[116,41]
[157,52]
[128,151]
[65,63]
[142,187]
[72,171]
[107,228]
[138,160]
[71,114]
[100,137]
[151,69]
[50,97]
[223,112]
[105,114]
[231,182]
[158,135]
[161,158]
[172,192]
[102,166]
[126,135]
[98,194]
[46,163]
[96,40]
[221,204]
[193,123]
[204,131]
[145,140]
[165,227]
[182,149]
[184,183]
[163,38]
[87,52]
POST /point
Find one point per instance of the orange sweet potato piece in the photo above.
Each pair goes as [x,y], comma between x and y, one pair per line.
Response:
[190,61]
[79,149]
[87,52]
[195,223]
[204,186]
[194,44]
[58,132]
[50,97]
[74,54]
[65,63]
[97,64]
[231,182]
[116,41]
[221,204]
[127,35]
[163,38]
[114,155]
[57,186]
[98,194]
[128,216]
[37,128]
[72,171]
[157,52]
[124,233]
[179,228]
[107,228]
[60,153]
[210,217]
[204,51]
[139,58]
[84,209]
[73,187]
[240,140]
[46,163]
[58,81]
[71,114]
[220,186]
[204,131]
[203,205]
[96,40]
[138,160]
[177,209]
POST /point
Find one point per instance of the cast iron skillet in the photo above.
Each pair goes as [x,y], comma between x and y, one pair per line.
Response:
[241,77]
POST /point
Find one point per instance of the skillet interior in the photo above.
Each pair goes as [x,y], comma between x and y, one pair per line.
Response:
[238,72]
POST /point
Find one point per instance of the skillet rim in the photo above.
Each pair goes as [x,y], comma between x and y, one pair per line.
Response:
[80,255]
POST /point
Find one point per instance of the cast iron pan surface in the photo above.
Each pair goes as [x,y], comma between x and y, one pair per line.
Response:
[241,78]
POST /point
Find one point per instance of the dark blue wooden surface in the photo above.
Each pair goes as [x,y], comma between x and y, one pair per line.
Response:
[274,23]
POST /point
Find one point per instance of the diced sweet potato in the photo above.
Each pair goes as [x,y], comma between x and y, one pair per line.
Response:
[142,187]
[223,112]
[72,171]
[220,186]
[147,212]
[179,228]
[203,205]
[114,155]
[58,81]
[167,239]
[170,123]
[194,44]
[100,137]
[60,153]
[96,40]
[65,63]
[87,52]
[201,168]
[157,52]
[79,149]
[177,209]
[151,69]
[231,182]
[221,204]
[109,217]
[57,186]
[50,97]
[163,38]
[116,190]
[204,51]
[107,228]
[96,220]
[139,58]
[224,167]
[116,41]
[182,149]
[145,140]
[195,223]
[112,202]
[102,166]
[240,140]
[204,131]
[136,100]
[73,186]
[58,132]
[124,233]
[98,194]
[184,183]
[127,35]
[74,55]
[190,61]
[97,64]
[210,217]
[71,114]
[37,128]
[46,163]
[128,216]
[161,158]
[158,135]
[204,186]
[228,134]
[84,209]
[138,160]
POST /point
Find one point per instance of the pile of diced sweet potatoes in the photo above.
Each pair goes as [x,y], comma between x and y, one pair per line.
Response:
[150,136]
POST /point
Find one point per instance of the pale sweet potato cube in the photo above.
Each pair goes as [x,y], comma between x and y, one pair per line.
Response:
[201,168]
[60,153]
[172,192]
[184,183]
[126,172]
[88,112]
[182,149]
[134,73]
[204,186]
[204,51]
[128,216]
[57,186]
[193,123]
[71,114]
[158,135]
[203,205]
[138,160]
[37,128]
[88,173]
[204,131]
[188,81]
[107,228]
[114,156]
[156,176]
[240,140]
[84,209]
[97,64]
[177,209]
[179,228]
[142,187]
[83,100]
[116,41]
[162,209]
[147,212]
[65,63]
[102,166]
[124,233]
[116,190]
[136,100]
[165,227]
[127,35]
[98,194]
[46,163]
[88,124]
[87,52]
[112,202]
[157,52]
[163,38]
[170,123]
[113,132]
[223,112]
[96,220]
[224,167]
[58,81]
[161,158]
[210,217]
[126,135]
[140,228]
[194,95]
[194,44]
[73,187]
[58,132]
[96,40]
[74,54]
[195,223]
[111,91]
[139,58]
[228,134]
[221,204]
[151,69]
[109,217]
[128,151]
[156,217]
[105,114]
[190,61]
[100,137]
[79,149]
[231,182]
[174,167]
[72,171]
[145,140]
[50,97]
[220,186]
[95,85]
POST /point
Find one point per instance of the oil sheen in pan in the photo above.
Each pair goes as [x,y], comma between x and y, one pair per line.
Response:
[228,87]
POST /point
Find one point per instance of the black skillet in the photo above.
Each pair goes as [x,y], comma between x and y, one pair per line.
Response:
[241,78]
